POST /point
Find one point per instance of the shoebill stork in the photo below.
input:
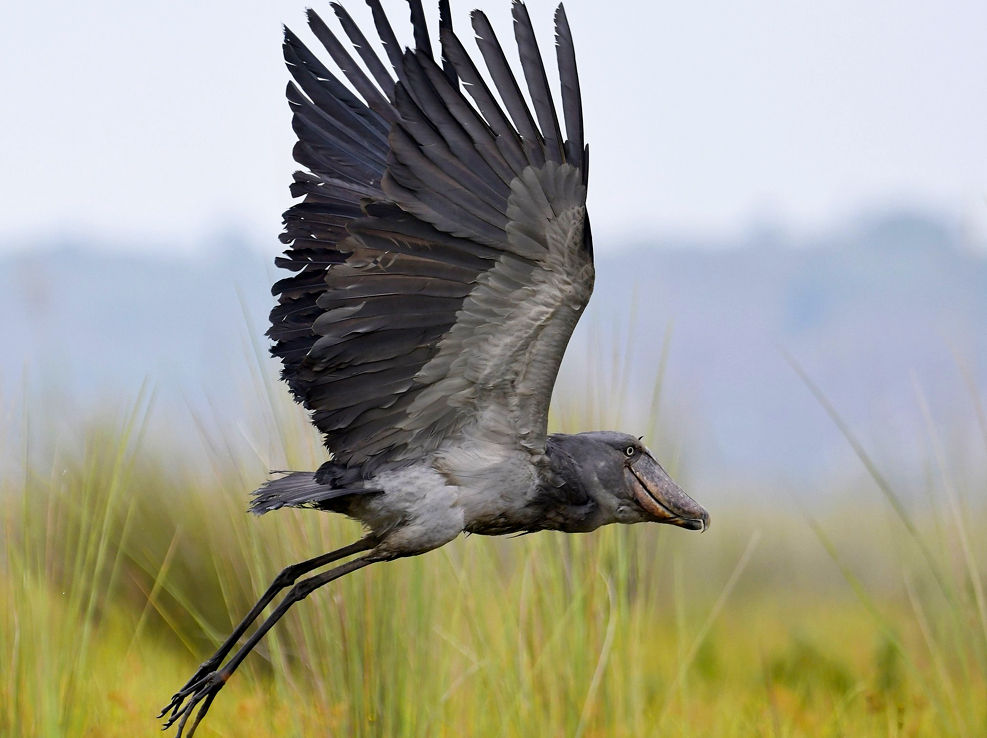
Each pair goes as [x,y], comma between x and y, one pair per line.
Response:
[440,257]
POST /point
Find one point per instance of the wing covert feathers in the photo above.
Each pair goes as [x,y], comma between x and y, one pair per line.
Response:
[440,254]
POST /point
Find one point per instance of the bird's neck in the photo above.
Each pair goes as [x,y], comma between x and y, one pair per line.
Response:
[562,502]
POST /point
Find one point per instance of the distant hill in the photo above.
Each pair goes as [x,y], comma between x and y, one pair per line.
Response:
[870,312]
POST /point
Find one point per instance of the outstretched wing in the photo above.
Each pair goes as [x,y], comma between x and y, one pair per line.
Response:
[442,252]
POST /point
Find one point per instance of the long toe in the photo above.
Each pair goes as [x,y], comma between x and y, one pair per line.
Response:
[204,691]
[206,668]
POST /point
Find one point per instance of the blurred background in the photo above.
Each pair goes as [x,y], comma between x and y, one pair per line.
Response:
[773,184]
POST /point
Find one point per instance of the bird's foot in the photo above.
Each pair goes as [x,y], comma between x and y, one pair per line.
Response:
[205,688]
[206,668]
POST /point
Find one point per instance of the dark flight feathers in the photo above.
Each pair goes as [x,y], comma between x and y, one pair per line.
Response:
[405,212]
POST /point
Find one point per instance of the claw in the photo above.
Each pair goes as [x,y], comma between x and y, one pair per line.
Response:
[206,668]
[205,688]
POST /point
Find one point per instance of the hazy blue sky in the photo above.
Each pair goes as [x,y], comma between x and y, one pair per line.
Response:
[166,120]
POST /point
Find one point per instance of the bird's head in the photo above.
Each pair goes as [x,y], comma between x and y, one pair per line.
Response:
[622,477]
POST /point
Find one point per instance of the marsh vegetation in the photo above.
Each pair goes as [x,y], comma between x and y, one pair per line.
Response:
[857,611]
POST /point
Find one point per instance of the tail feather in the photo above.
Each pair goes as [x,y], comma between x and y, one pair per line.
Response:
[300,489]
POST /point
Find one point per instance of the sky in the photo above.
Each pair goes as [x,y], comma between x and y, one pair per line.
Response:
[157,124]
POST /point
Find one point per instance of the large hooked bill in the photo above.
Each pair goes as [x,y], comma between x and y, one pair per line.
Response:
[664,499]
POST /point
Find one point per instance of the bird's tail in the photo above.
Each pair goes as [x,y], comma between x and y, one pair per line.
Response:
[300,489]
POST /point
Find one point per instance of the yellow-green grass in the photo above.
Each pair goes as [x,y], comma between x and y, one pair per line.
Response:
[121,568]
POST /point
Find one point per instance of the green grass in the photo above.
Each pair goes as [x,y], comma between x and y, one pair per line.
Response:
[122,567]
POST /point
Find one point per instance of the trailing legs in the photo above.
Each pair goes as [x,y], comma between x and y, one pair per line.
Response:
[209,678]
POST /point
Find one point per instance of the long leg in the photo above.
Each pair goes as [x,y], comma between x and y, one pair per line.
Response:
[288,576]
[209,685]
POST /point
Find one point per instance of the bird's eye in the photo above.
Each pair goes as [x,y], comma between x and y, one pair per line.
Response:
[630,451]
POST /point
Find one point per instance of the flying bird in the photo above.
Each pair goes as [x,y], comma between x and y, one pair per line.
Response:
[440,257]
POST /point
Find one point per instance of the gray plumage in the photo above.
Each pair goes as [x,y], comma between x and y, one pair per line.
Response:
[440,258]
